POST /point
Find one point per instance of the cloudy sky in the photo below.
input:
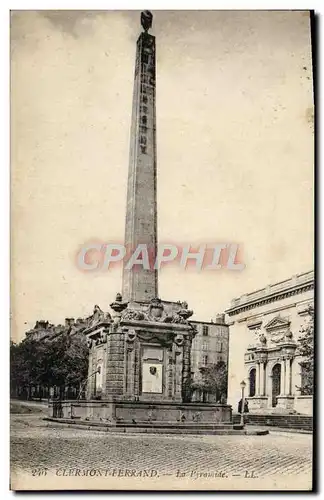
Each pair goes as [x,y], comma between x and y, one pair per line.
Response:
[234,139]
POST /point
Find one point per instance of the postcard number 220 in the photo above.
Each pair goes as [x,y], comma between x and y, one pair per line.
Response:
[41,471]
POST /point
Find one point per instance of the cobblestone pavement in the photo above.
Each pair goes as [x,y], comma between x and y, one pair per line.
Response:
[34,444]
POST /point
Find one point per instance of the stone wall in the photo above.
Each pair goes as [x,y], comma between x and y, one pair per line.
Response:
[137,412]
[304,405]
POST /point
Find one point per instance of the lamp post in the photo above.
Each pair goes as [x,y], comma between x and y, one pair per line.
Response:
[243,385]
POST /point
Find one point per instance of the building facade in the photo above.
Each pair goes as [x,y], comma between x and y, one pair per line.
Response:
[209,347]
[264,329]
[44,330]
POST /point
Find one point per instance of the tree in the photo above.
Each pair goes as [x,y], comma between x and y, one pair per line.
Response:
[18,369]
[213,380]
[60,362]
[26,361]
[66,362]
[306,350]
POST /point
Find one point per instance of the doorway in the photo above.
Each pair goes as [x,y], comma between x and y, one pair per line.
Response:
[252,378]
[276,377]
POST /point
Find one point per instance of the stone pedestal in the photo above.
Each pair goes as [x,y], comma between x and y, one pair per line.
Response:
[144,351]
[257,403]
[285,402]
[145,414]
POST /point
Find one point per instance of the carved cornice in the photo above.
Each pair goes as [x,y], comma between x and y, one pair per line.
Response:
[96,328]
[268,299]
[254,324]
[175,328]
[303,308]
[145,336]
[97,320]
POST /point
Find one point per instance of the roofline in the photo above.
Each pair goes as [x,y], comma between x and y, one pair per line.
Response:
[296,284]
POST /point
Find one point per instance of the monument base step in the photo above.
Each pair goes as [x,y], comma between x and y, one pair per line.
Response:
[106,411]
[156,427]
[284,421]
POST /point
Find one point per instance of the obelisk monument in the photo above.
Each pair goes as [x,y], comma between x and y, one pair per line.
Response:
[139,371]
[140,284]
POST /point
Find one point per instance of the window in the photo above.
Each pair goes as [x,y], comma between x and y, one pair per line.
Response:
[219,346]
[204,346]
[205,360]
[205,330]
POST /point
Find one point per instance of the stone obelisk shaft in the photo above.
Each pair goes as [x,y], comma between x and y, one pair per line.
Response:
[140,284]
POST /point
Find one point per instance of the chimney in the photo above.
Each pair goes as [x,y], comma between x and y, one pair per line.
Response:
[220,319]
[69,322]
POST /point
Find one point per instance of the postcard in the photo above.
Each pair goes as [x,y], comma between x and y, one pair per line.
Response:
[162,228]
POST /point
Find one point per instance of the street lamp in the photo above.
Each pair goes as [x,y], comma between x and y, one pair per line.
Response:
[243,385]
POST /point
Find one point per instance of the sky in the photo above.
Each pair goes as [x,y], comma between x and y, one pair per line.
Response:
[234,151]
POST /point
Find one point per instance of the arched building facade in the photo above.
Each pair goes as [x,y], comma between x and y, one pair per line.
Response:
[264,329]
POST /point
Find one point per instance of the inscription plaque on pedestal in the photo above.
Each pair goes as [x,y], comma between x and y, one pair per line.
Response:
[152,370]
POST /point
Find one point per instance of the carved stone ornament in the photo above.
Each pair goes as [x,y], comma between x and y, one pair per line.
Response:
[184,312]
[102,338]
[181,315]
[133,315]
[289,335]
[131,335]
[182,416]
[146,20]
[155,309]
[257,332]
[277,337]
[262,339]
[196,417]
[98,316]
[118,305]
[179,340]
[156,312]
